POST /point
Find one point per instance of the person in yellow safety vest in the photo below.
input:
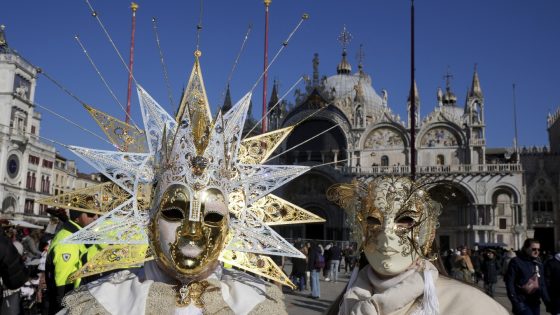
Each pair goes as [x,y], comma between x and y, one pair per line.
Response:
[65,259]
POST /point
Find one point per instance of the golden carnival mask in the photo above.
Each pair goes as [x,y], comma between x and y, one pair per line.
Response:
[396,216]
[186,247]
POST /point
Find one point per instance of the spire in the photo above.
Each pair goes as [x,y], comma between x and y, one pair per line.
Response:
[360,56]
[274,97]
[416,106]
[344,38]
[227,101]
[3,42]
[475,91]
[316,70]
[416,96]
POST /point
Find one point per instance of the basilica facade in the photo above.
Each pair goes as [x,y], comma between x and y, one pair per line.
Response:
[352,127]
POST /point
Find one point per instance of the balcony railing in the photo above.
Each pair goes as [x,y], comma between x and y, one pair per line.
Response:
[436,169]
[480,142]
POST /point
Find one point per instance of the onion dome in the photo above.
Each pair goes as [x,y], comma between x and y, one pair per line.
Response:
[344,67]
[449,97]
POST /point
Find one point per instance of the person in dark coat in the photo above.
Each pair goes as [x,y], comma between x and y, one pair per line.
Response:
[334,262]
[314,258]
[327,256]
[552,279]
[490,268]
[13,273]
[299,267]
[524,280]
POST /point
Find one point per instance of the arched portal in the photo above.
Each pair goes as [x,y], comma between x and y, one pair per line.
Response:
[456,215]
[321,149]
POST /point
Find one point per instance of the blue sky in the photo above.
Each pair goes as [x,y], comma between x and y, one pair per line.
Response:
[512,41]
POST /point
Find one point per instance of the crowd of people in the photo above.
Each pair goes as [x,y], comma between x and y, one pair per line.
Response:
[530,276]
[36,266]
[321,261]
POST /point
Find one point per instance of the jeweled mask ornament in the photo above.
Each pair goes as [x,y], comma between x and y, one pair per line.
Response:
[396,216]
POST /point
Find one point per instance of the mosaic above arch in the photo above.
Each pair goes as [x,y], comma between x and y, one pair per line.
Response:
[439,137]
[383,138]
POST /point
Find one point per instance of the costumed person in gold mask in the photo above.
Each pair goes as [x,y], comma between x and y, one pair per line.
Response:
[398,220]
[197,195]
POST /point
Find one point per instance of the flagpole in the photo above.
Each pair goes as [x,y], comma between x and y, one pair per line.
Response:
[515,125]
[133,7]
[265,77]
[412,98]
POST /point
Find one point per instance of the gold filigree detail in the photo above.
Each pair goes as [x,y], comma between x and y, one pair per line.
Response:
[98,199]
[260,265]
[124,136]
[257,149]
[274,210]
[111,258]
[191,293]
[195,109]
[363,199]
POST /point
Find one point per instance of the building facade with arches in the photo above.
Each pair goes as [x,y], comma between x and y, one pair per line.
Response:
[343,121]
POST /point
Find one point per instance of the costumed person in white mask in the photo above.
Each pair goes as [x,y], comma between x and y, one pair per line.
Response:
[194,193]
[398,220]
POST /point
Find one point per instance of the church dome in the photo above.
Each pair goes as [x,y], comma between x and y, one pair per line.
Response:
[346,86]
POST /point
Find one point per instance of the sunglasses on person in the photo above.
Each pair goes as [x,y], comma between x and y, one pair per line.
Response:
[535,249]
[91,215]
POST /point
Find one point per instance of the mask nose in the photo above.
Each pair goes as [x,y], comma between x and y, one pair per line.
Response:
[192,230]
[388,232]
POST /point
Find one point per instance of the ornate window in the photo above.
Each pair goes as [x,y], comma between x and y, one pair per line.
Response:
[440,159]
[542,207]
[384,160]
[29,203]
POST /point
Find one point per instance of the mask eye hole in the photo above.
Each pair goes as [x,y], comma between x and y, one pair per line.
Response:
[172,214]
[213,217]
[405,222]
[373,221]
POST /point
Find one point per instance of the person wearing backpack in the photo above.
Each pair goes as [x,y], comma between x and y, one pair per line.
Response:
[314,262]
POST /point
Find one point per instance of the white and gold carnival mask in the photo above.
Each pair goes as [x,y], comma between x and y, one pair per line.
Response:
[397,218]
[186,247]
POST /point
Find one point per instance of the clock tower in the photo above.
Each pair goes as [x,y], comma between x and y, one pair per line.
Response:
[26,163]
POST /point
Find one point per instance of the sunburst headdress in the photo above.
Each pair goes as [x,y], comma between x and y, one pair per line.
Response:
[197,151]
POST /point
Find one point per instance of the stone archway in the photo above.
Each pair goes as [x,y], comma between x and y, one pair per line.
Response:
[325,148]
[309,192]
[457,214]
